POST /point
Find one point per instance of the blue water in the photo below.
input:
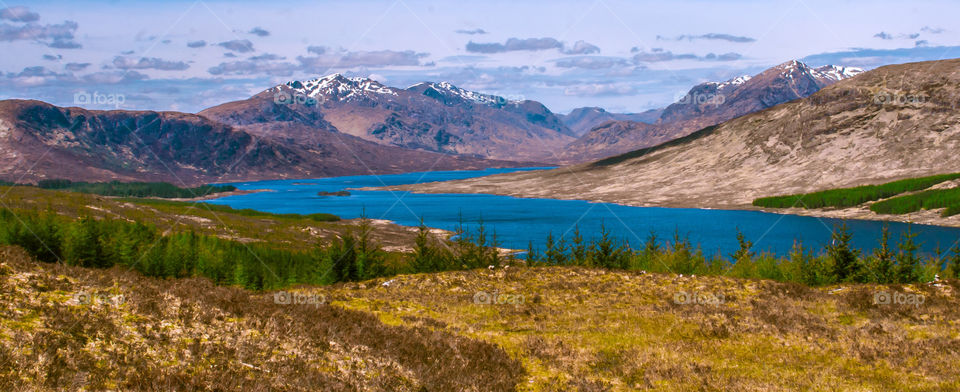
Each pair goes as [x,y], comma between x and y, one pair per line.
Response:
[517,221]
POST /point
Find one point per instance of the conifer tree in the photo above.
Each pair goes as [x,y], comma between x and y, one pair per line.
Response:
[908,263]
[343,257]
[743,254]
[423,254]
[533,258]
[955,262]
[883,264]
[843,256]
[578,249]
[83,247]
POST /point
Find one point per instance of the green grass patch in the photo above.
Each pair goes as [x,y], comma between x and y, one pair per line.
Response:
[850,197]
[318,217]
[927,200]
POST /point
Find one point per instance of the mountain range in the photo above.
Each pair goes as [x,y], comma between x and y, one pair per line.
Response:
[893,122]
[337,125]
[437,117]
[704,105]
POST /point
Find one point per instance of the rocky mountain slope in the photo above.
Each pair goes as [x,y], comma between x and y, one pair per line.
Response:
[39,140]
[709,104]
[436,117]
[893,122]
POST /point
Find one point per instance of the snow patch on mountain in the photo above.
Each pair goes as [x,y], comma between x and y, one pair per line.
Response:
[837,72]
[339,87]
[448,89]
[737,81]
[829,73]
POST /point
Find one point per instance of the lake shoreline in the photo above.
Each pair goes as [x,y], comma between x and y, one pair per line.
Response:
[923,217]
[519,222]
[217,195]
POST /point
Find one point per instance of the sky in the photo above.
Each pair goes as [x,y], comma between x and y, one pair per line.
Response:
[624,56]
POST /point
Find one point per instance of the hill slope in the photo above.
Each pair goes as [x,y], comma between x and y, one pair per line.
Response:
[893,122]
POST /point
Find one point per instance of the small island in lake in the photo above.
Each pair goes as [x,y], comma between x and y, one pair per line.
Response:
[337,193]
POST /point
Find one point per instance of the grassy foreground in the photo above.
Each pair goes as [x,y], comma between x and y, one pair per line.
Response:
[588,317]
[500,329]
[71,328]
[587,329]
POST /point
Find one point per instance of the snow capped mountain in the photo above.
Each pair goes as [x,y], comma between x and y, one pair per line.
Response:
[790,66]
[826,74]
[712,103]
[339,87]
[732,82]
[342,88]
[837,72]
[437,117]
[451,93]
[722,101]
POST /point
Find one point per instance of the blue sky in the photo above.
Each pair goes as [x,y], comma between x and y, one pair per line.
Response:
[620,55]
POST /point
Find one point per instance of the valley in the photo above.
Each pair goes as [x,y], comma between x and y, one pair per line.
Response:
[479,196]
[848,133]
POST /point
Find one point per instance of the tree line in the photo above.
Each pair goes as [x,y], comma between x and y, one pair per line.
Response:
[134,189]
[355,256]
[850,197]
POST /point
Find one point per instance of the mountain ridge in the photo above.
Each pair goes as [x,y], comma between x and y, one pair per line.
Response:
[707,104]
[42,141]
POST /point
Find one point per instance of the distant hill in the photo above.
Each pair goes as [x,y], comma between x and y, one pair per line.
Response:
[582,120]
[41,141]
